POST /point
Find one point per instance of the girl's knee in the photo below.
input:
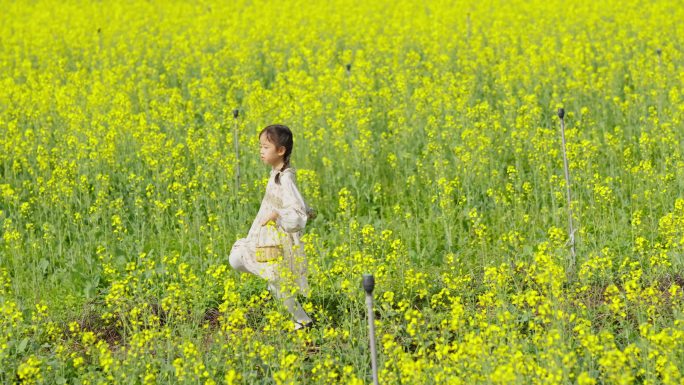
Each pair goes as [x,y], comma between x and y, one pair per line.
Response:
[235,260]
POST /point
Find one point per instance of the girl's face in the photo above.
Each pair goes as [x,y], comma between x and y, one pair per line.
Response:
[270,153]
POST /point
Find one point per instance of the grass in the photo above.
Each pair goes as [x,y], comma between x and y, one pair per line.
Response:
[427,139]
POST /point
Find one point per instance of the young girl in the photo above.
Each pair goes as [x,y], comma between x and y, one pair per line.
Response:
[282,209]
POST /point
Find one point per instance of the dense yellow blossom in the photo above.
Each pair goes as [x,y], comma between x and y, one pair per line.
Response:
[426,138]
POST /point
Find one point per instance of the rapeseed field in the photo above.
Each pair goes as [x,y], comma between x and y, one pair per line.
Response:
[426,137]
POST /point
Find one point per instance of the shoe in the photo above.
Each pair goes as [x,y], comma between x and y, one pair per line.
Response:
[300,326]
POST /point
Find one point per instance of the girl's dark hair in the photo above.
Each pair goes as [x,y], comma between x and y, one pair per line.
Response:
[281,136]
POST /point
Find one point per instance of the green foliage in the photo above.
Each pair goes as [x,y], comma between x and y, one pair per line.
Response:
[434,162]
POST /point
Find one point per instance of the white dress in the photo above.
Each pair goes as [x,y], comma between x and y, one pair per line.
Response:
[287,201]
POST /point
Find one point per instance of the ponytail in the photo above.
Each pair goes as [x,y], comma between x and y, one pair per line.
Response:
[285,166]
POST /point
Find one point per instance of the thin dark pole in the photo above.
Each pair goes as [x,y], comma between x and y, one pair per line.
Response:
[571,238]
[348,71]
[368,286]
[236,113]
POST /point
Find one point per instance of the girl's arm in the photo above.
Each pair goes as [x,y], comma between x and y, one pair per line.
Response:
[292,217]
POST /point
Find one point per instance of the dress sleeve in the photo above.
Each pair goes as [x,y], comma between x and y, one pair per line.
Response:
[293,216]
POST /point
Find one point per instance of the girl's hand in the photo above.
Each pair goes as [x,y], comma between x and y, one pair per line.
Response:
[271,218]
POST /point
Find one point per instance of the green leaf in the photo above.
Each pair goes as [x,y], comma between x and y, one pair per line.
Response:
[22,345]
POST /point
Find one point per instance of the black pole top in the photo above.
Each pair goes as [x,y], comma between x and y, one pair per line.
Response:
[368,283]
[236,112]
[561,113]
